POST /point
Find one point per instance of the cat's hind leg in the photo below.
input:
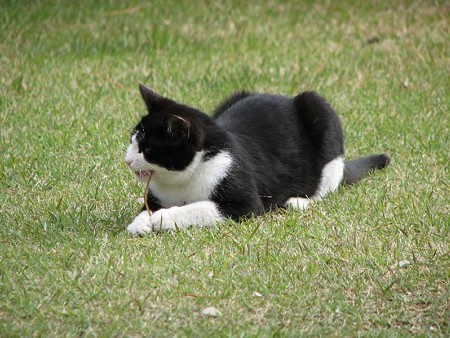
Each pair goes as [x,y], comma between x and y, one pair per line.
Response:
[332,175]
[298,203]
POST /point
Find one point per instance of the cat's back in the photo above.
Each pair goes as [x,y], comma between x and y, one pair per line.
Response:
[254,114]
[306,120]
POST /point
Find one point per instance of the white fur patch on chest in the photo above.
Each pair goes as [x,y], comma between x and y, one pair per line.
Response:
[193,184]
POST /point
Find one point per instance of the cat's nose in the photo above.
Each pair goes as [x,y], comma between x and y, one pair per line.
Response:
[128,162]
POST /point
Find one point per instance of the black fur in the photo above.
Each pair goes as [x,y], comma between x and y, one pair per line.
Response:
[279,146]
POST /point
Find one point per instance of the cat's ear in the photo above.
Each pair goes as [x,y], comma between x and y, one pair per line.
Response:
[177,126]
[153,101]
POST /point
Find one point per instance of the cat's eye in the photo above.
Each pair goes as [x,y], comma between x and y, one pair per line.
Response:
[139,137]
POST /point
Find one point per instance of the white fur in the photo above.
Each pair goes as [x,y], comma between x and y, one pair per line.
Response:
[136,159]
[194,184]
[141,225]
[201,214]
[298,203]
[332,174]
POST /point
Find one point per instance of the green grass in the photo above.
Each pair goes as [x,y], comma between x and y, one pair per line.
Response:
[68,98]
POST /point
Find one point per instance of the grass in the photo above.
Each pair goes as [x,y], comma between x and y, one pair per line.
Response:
[68,97]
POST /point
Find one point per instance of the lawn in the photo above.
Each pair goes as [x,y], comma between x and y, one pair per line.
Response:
[69,74]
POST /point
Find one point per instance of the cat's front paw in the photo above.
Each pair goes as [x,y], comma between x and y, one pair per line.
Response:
[141,225]
[167,219]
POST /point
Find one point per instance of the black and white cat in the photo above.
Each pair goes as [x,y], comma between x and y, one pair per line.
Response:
[256,152]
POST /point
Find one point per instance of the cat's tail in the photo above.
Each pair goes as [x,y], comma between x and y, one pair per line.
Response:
[356,169]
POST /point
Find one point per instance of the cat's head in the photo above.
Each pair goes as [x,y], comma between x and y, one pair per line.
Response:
[167,139]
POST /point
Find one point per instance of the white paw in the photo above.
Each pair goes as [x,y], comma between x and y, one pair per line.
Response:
[298,203]
[166,219]
[141,225]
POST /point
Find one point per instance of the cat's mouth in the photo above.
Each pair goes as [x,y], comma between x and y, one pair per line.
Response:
[143,174]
